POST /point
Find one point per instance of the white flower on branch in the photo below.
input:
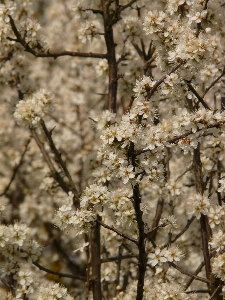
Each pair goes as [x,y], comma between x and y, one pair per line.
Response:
[30,111]
[218,266]
[53,292]
[218,241]
[198,204]
[197,17]
[158,257]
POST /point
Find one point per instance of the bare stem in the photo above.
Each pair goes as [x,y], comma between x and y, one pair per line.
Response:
[95,241]
[112,228]
[21,40]
[111,55]
[160,81]
[58,273]
[188,273]
[65,187]
[200,99]
[58,156]
[16,168]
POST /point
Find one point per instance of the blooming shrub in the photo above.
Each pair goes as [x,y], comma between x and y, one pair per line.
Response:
[112,145]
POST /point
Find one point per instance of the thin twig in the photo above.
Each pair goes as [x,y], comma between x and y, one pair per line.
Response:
[200,99]
[183,230]
[118,232]
[179,137]
[16,168]
[59,157]
[59,273]
[27,48]
[53,171]
[160,81]
[115,258]
[197,291]
[127,5]
[188,273]
[181,175]
[195,273]
[157,217]
[214,82]
[214,293]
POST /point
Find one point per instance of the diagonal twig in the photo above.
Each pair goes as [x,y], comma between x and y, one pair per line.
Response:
[118,232]
[16,168]
[188,273]
[59,273]
[200,99]
[20,39]
[58,156]
[214,82]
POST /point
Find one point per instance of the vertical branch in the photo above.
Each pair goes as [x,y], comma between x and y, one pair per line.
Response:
[96,260]
[65,187]
[197,167]
[142,256]
[87,250]
[111,54]
[158,214]
[205,228]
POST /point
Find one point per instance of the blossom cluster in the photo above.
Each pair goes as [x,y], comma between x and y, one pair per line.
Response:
[29,112]
[172,254]
[130,170]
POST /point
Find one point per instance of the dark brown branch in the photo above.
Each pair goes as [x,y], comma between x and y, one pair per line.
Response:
[195,273]
[198,291]
[95,242]
[157,217]
[27,48]
[112,228]
[16,168]
[205,230]
[199,25]
[58,273]
[69,53]
[148,63]
[58,156]
[183,230]
[188,273]
[115,258]
[214,82]
[179,137]
[155,228]
[218,289]
[53,171]
[200,99]
[111,55]
[142,255]
[127,5]
[160,81]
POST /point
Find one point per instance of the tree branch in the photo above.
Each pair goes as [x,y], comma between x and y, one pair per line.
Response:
[183,230]
[59,158]
[127,5]
[16,168]
[214,82]
[115,258]
[27,48]
[188,273]
[53,171]
[58,273]
[160,81]
[111,55]
[177,138]
[95,242]
[200,99]
[118,232]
